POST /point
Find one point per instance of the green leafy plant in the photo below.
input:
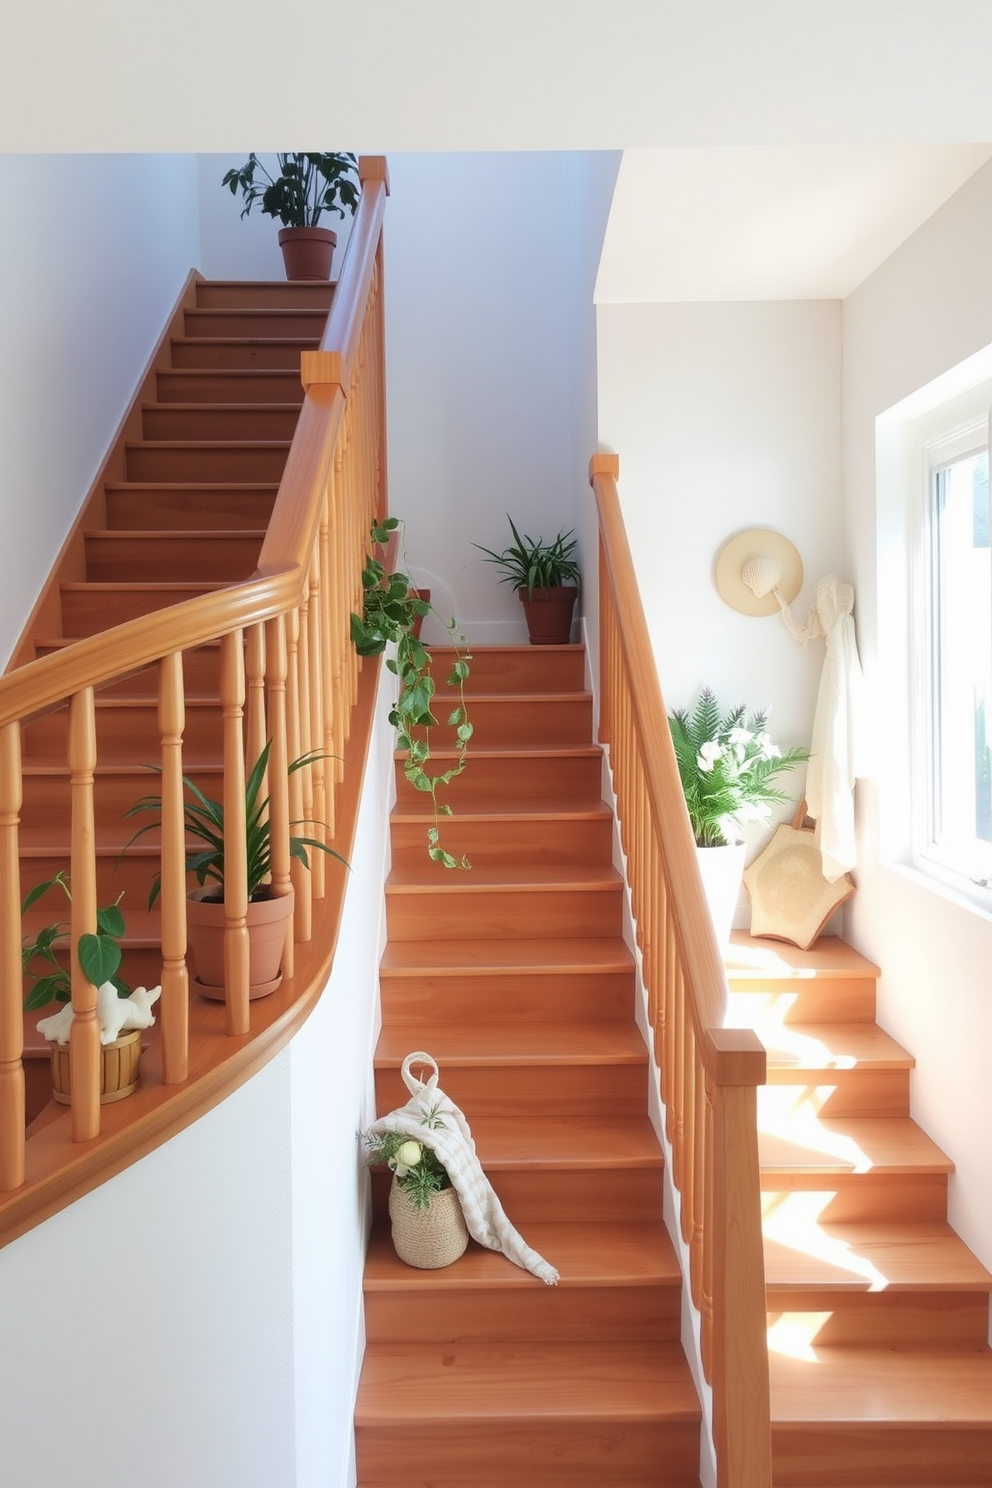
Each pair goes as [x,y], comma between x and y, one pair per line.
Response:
[99,953]
[419,1171]
[727,762]
[390,609]
[530,563]
[204,820]
[307,186]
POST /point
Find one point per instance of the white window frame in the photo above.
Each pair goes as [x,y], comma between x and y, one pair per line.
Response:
[950,431]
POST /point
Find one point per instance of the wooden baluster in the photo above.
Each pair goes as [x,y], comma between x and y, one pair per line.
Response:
[316,828]
[255,733]
[11,1015]
[276,668]
[688,1165]
[328,666]
[303,677]
[735,1060]
[676,1089]
[696,1263]
[85,1058]
[236,963]
[709,1222]
[303,927]
[174,1012]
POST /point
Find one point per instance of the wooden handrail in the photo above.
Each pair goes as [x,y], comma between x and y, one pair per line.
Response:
[709,1074]
[307,581]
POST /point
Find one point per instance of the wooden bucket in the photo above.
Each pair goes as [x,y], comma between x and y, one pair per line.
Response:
[118,1069]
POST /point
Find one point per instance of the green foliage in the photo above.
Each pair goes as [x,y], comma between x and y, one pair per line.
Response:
[307,186]
[390,608]
[204,820]
[99,953]
[420,1181]
[530,563]
[726,765]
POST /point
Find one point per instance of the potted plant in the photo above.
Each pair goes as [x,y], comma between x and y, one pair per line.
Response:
[546,577]
[268,913]
[726,763]
[122,1013]
[391,612]
[425,1214]
[306,186]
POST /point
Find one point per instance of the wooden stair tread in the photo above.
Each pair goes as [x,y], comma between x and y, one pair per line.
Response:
[752,958]
[138,488]
[152,586]
[862,1256]
[585,809]
[566,1142]
[830,1046]
[524,751]
[493,880]
[461,958]
[853,1384]
[855,1144]
[584,1254]
[452,1383]
[529,1043]
[173,534]
[207,444]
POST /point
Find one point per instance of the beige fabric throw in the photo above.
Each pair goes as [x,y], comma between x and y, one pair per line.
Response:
[430,1117]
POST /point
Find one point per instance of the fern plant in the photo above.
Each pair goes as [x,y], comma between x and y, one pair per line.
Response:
[390,608]
[418,1169]
[727,763]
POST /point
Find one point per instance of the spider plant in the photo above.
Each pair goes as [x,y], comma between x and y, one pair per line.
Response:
[530,563]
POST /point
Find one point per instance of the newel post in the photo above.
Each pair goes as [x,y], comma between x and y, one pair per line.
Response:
[735,1066]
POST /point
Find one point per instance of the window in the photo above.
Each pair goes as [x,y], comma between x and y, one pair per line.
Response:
[953,727]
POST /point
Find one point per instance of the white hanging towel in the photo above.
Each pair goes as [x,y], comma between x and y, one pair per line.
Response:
[430,1117]
[837,748]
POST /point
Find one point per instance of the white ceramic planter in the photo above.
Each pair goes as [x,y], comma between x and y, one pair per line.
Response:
[721,869]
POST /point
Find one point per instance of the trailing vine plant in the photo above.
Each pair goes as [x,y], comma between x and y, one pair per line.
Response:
[390,610]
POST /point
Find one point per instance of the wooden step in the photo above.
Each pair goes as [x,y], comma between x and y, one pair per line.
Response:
[499,720]
[158,506]
[127,729]
[201,671]
[772,982]
[227,461]
[448,981]
[518,778]
[149,556]
[229,385]
[115,788]
[246,352]
[580,835]
[615,1408]
[617,1281]
[545,1069]
[117,872]
[218,421]
[483,904]
[917,1418]
[88,609]
[510,669]
[278,323]
[264,294]
[850,1069]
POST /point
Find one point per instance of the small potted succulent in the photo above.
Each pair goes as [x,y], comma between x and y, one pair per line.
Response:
[428,1226]
[268,914]
[546,577]
[305,188]
[122,1013]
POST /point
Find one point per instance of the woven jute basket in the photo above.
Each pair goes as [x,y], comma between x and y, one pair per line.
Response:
[427,1238]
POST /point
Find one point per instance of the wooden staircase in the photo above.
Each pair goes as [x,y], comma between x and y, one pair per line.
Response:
[180,508]
[515,976]
[878,1313]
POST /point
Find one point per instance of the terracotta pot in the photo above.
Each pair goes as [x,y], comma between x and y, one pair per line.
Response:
[549,615]
[307,251]
[267,926]
[119,1063]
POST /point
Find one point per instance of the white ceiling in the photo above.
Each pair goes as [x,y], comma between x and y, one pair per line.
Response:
[765,224]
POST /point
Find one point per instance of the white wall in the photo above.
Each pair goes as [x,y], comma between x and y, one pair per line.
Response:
[94,251]
[924,310]
[725,416]
[489,358]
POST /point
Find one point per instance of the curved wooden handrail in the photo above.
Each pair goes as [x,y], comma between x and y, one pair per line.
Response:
[307,581]
[709,1074]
